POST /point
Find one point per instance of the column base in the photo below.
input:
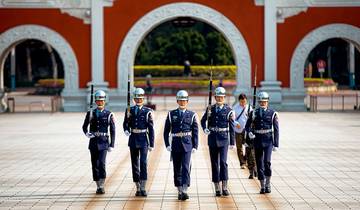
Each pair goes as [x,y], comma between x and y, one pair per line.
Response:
[274,90]
[74,100]
[293,100]
[3,105]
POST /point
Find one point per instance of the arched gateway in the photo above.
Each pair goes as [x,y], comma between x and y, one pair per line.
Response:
[311,40]
[200,12]
[13,36]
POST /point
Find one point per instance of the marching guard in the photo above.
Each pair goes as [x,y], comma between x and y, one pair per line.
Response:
[100,120]
[182,128]
[263,128]
[139,126]
[218,124]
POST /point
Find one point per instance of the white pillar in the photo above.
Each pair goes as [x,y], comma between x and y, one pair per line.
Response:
[351,59]
[271,85]
[3,105]
[97,44]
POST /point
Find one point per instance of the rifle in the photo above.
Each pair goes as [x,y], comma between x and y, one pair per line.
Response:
[248,140]
[254,94]
[128,100]
[91,102]
[210,96]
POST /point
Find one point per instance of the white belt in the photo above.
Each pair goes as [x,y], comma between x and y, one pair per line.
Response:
[181,134]
[138,130]
[216,129]
[263,131]
[100,134]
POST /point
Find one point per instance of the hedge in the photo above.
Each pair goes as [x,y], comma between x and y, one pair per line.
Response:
[229,71]
[318,82]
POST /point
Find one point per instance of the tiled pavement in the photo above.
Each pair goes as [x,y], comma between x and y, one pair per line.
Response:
[45,164]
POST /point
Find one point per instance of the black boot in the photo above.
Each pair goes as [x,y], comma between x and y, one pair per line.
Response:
[101,186]
[262,186]
[184,196]
[180,192]
[138,192]
[267,184]
[97,187]
[142,188]
[217,189]
[225,191]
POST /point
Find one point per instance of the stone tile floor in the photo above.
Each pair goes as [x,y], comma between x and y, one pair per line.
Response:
[45,164]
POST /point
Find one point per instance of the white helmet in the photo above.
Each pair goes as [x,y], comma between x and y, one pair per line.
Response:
[182,95]
[139,93]
[100,95]
[263,96]
[220,91]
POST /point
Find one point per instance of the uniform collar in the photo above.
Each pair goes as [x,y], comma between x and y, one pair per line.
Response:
[265,109]
[99,110]
[182,110]
[221,106]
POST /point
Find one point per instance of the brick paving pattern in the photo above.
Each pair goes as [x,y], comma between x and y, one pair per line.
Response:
[45,164]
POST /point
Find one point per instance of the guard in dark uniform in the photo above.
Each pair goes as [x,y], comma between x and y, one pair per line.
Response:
[100,120]
[139,126]
[220,128]
[182,128]
[263,128]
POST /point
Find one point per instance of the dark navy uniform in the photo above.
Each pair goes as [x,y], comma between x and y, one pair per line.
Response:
[140,124]
[182,126]
[101,122]
[221,126]
[263,123]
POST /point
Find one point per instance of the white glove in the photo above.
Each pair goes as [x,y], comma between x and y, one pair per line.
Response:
[275,149]
[193,150]
[110,149]
[127,133]
[89,135]
[168,148]
[150,149]
[251,135]
[206,131]
[232,147]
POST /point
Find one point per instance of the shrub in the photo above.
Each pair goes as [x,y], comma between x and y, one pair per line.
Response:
[51,83]
[229,71]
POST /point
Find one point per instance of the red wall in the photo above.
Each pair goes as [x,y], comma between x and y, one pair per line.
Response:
[72,29]
[297,27]
[120,18]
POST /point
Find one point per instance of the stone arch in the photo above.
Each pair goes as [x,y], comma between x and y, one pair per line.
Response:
[310,41]
[14,35]
[200,12]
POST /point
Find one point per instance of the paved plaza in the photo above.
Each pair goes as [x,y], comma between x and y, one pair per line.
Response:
[45,164]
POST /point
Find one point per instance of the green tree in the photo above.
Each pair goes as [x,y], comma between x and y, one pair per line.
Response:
[218,49]
[169,45]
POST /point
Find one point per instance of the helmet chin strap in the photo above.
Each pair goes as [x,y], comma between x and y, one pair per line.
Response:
[220,103]
[140,103]
[264,106]
[101,107]
[182,107]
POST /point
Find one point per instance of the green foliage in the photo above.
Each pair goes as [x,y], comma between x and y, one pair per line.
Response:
[228,71]
[169,45]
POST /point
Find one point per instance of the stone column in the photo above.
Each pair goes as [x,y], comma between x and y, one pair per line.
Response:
[97,45]
[351,58]
[270,84]
[97,48]
[3,105]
